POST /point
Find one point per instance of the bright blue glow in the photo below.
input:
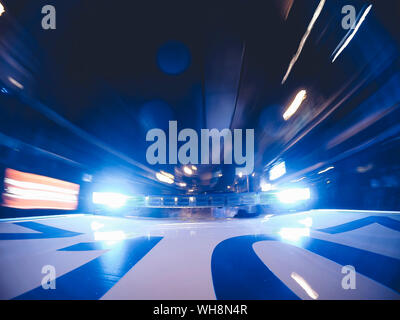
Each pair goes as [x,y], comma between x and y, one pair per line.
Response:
[109,199]
[4,90]
[294,195]
[173,57]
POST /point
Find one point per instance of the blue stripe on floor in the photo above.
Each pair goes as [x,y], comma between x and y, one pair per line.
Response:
[93,279]
[380,268]
[239,274]
[46,232]
[357,224]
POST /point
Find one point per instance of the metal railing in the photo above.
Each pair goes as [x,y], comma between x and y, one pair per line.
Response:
[201,201]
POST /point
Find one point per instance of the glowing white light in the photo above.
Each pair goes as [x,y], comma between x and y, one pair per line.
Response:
[277,171]
[295,105]
[191,199]
[182,184]
[163,178]
[353,33]
[294,195]
[306,287]
[1,9]
[326,170]
[194,168]
[110,199]
[294,234]
[109,236]
[188,171]
[240,174]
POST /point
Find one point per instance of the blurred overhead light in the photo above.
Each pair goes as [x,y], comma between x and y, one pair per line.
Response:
[15,83]
[1,9]
[353,32]
[277,171]
[326,170]
[294,195]
[109,199]
[182,184]
[167,174]
[363,169]
[194,168]
[164,178]
[304,39]
[187,170]
[294,106]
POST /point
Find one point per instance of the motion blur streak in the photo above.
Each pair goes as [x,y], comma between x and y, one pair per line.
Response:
[277,171]
[304,39]
[15,83]
[294,106]
[343,46]
[188,171]
[326,170]
[30,191]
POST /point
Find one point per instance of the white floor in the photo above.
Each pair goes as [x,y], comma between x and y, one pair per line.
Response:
[179,265]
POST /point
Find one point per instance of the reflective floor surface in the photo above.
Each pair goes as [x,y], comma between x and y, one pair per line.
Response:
[320,254]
